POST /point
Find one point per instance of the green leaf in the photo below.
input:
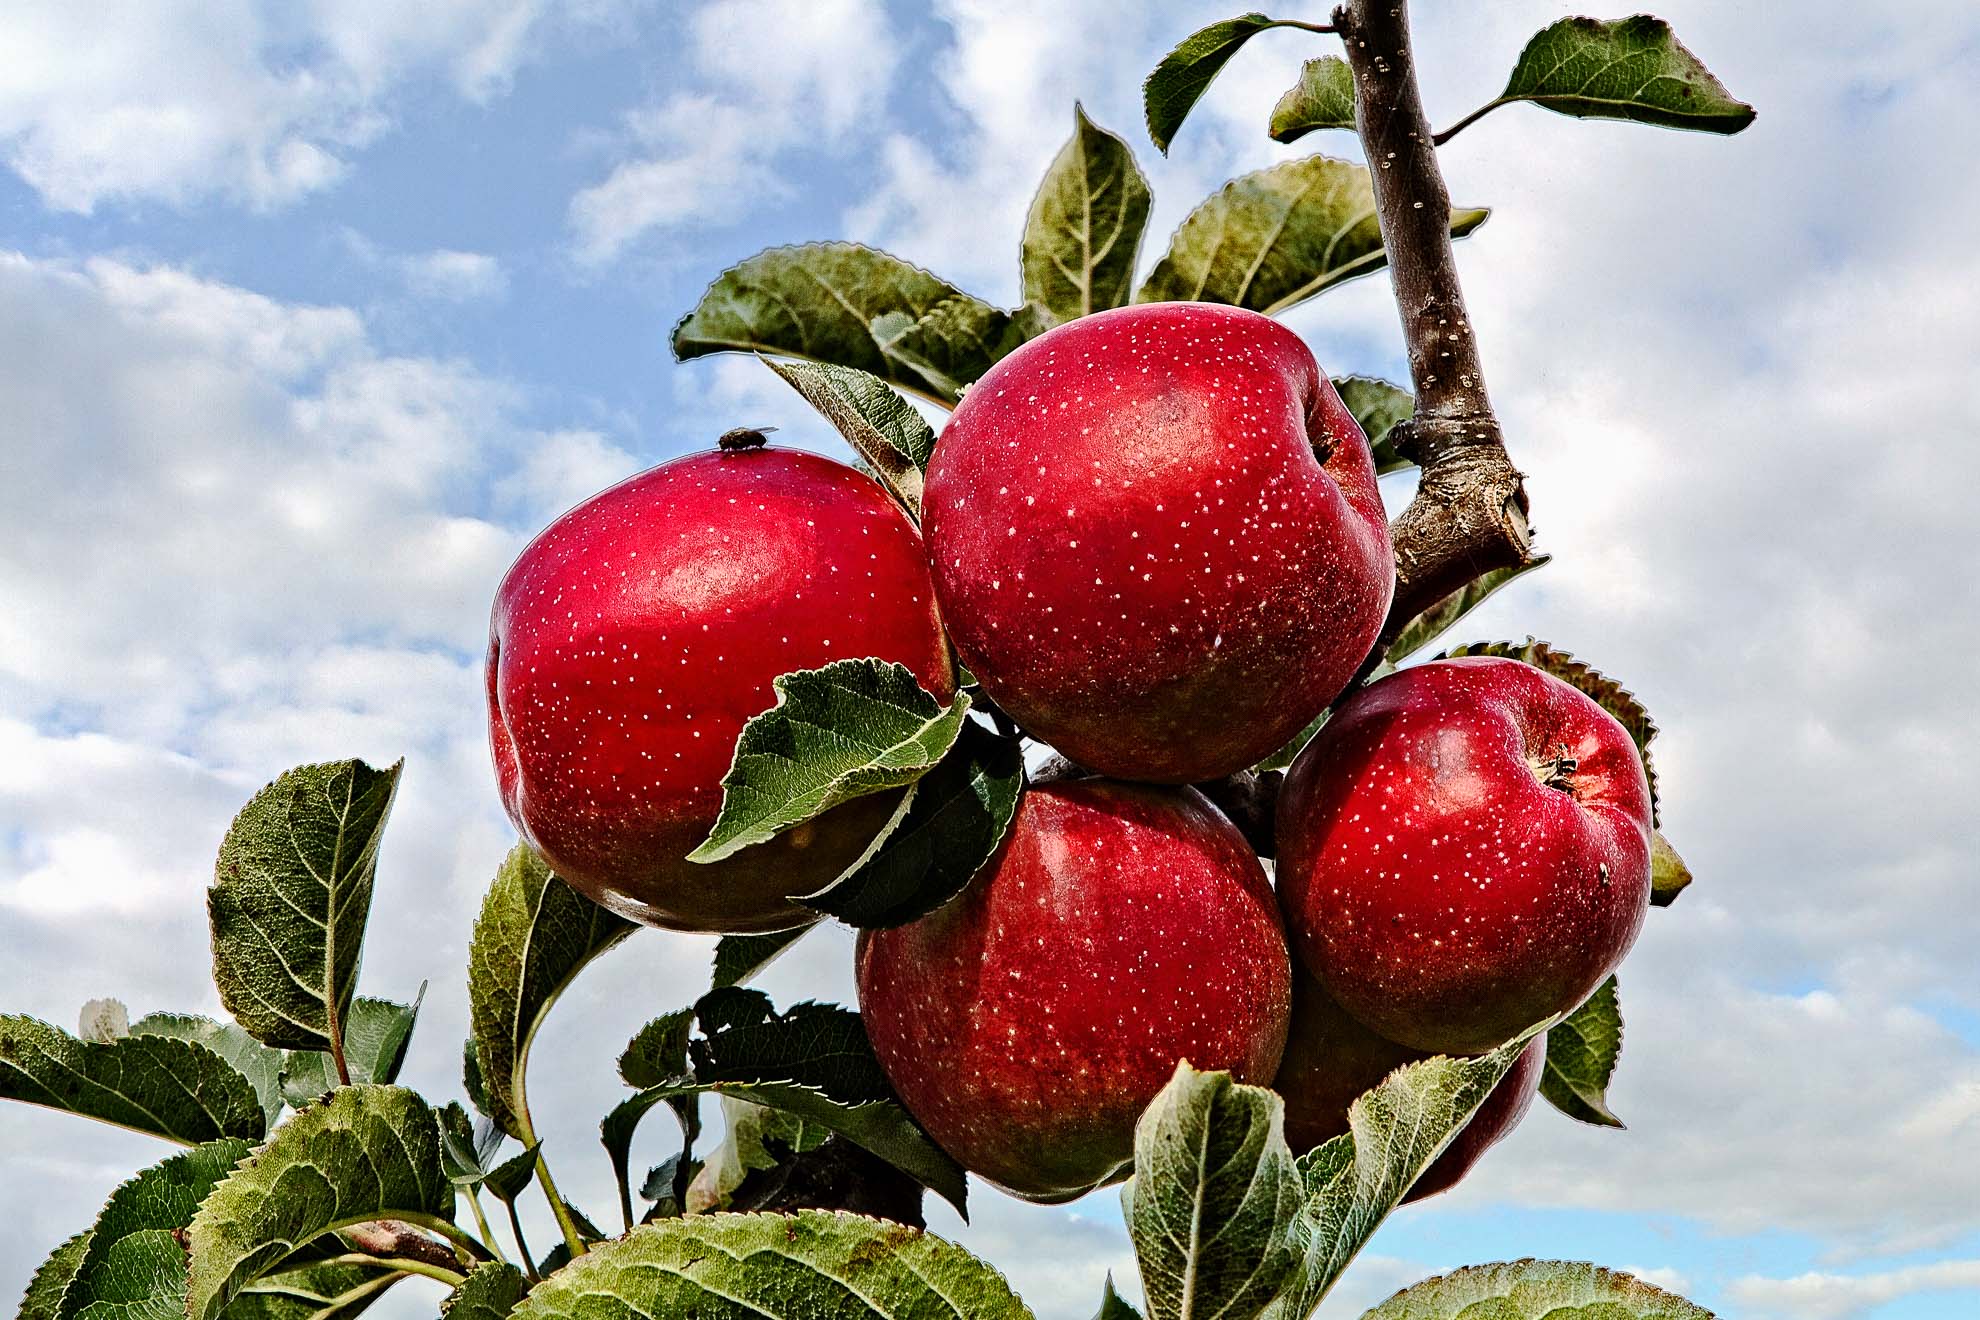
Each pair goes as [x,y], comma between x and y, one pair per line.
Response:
[1377,406]
[881,426]
[1271,239]
[952,344]
[1113,1306]
[467,1147]
[738,958]
[1536,1290]
[290,896]
[1629,68]
[1606,692]
[812,1061]
[1669,876]
[658,1051]
[472,1081]
[534,935]
[172,1088]
[754,1137]
[260,1065]
[134,1266]
[512,1177]
[818,301]
[1214,1188]
[666,1183]
[1172,90]
[949,824]
[1394,1133]
[815,1263]
[365,1152]
[375,1039]
[1322,98]
[1440,618]
[43,1299]
[1582,1050]
[851,728]
[1083,234]
[317,1291]
[491,1292]
[745,1039]
[656,1057]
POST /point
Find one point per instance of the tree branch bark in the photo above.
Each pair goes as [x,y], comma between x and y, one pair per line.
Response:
[1469,513]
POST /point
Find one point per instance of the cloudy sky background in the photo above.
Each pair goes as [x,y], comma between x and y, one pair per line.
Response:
[310,316]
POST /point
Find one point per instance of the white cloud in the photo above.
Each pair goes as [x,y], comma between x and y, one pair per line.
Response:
[450,276]
[440,275]
[248,100]
[709,166]
[225,492]
[1749,1112]
[772,75]
[1670,1280]
[1849,1296]
[954,194]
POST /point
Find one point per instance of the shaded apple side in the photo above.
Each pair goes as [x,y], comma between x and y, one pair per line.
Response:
[1331,1059]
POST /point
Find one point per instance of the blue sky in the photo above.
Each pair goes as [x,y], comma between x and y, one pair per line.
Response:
[309,318]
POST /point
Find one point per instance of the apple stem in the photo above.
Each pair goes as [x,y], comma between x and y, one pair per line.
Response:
[1469,515]
[1557,771]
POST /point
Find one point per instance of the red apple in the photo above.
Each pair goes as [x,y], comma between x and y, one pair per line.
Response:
[1157,539]
[636,635]
[1464,851]
[1027,1024]
[1331,1059]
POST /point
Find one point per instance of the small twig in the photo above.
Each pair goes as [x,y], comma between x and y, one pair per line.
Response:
[342,1300]
[335,1030]
[522,1243]
[625,1198]
[450,1275]
[1441,138]
[1469,514]
[481,1223]
[565,1223]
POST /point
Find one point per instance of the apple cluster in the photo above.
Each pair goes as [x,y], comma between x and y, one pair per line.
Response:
[1153,538]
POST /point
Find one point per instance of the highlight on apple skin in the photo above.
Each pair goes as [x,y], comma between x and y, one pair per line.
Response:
[1157,539]
[634,637]
[1464,852]
[1027,1024]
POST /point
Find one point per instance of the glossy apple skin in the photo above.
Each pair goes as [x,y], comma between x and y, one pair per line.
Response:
[635,636]
[1027,1024]
[1138,552]
[1331,1059]
[1442,892]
